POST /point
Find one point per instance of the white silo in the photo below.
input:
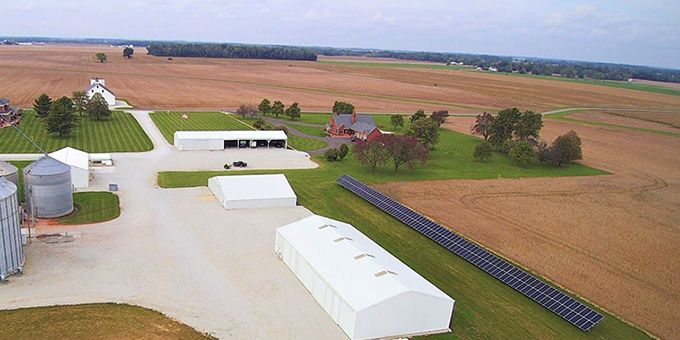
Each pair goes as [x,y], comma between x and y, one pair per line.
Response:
[11,251]
[48,188]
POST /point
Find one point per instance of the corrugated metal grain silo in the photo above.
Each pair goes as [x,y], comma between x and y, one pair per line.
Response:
[48,188]
[10,172]
[11,251]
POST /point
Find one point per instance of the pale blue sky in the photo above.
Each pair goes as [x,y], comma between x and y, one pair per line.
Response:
[636,32]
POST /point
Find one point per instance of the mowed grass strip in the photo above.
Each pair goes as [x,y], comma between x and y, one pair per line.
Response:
[485,307]
[304,144]
[169,122]
[118,133]
[92,321]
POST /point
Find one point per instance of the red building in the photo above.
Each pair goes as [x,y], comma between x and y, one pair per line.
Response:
[361,127]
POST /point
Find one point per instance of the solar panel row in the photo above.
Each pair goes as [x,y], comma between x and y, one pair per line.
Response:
[546,295]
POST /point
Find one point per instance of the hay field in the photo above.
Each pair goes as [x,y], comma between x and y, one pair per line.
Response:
[198,83]
[613,239]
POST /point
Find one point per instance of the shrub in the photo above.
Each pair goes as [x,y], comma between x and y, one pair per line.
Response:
[260,124]
[522,153]
[483,151]
[343,151]
[332,155]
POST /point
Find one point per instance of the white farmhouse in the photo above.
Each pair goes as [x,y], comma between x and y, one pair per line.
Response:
[98,85]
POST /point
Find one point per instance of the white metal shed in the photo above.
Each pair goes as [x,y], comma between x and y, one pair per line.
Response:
[368,292]
[220,140]
[79,161]
[253,191]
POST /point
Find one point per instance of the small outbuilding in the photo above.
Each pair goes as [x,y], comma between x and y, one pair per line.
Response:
[220,140]
[98,85]
[253,191]
[368,292]
[79,161]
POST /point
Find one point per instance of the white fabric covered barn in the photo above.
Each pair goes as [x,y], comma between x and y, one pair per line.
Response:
[368,292]
[79,161]
[220,140]
[253,191]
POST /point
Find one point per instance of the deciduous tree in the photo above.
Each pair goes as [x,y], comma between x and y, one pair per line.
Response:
[80,100]
[426,130]
[332,155]
[97,108]
[101,57]
[265,107]
[420,114]
[245,110]
[61,119]
[403,150]
[397,121]
[370,153]
[503,126]
[440,116]
[567,148]
[293,111]
[340,108]
[42,105]
[483,125]
[528,126]
[522,153]
[277,108]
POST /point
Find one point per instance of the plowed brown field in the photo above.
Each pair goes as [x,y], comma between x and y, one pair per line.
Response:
[614,239]
[199,83]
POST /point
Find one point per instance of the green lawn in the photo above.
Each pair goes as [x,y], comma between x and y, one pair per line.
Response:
[485,307]
[310,130]
[118,133]
[92,321]
[304,144]
[169,122]
[91,206]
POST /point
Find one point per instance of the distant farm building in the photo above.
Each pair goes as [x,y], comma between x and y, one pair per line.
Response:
[98,85]
[220,140]
[79,162]
[253,191]
[8,114]
[361,127]
[367,291]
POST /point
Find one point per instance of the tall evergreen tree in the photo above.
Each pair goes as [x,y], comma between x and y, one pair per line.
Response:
[61,119]
[42,105]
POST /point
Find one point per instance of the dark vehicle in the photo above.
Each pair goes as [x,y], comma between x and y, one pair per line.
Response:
[227,166]
[240,164]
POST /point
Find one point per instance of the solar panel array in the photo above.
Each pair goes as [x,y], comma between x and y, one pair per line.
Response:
[544,294]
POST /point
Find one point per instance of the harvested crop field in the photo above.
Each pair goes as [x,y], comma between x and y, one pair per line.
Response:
[613,239]
[199,83]
[669,122]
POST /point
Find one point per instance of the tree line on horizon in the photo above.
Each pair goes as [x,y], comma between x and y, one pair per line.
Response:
[209,50]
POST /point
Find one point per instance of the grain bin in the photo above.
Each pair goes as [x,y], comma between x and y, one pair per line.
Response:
[10,172]
[11,252]
[48,188]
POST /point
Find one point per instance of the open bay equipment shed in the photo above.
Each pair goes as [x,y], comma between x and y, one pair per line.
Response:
[220,140]
[368,292]
[253,191]
[48,188]
[79,161]
[11,251]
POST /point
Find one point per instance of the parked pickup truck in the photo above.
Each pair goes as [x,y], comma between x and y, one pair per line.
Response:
[240,164]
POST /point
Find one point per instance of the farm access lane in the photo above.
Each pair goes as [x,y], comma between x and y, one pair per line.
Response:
[179,252]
